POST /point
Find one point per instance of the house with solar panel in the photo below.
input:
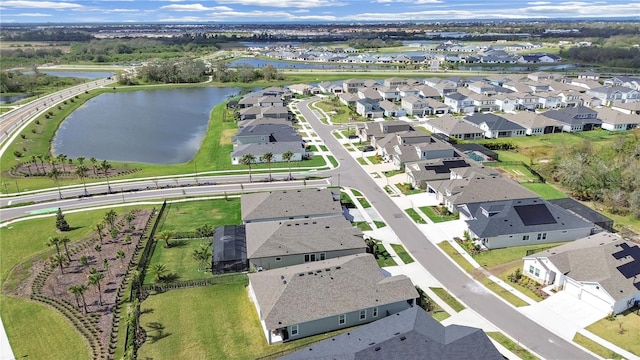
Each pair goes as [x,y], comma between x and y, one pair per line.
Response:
[602,270]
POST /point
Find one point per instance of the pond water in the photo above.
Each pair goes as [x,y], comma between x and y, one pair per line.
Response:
[8,99]
[260,63]
[76,74]
[151,126]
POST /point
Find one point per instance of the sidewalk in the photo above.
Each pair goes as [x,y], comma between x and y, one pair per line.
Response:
[5,348]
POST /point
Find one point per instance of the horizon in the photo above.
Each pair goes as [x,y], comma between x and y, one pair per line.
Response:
[308,12]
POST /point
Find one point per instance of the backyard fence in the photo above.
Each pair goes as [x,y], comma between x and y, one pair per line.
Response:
[214,280]
[536,174]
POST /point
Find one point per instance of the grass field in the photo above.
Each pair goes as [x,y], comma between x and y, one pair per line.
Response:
[595,347]
[447,298]
[545,191]
[430,211]
[512,346]
[179,261]
[188,215]
[504,276]
[610,330]
[453,254]
[180,325]
[495,257]
[402,253]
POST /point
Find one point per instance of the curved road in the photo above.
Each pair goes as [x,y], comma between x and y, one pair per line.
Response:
[504,316]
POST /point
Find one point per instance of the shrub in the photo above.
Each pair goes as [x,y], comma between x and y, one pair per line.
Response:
[17,153]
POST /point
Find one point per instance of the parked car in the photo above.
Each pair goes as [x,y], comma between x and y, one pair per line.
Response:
[368,148]
[353,136]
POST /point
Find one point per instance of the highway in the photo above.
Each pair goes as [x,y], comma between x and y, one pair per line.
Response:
[484,302]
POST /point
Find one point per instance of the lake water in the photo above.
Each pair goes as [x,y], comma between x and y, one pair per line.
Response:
[8,99]
[150,126]
[76,74]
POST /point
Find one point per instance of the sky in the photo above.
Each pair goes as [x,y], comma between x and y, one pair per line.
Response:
[301,11]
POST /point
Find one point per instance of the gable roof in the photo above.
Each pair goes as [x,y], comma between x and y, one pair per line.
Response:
[451,125]
[493,122]
[276,132]
[289,203]
[279,238]
[609,116]
[573,115]
[316,290]
[411,334]
[481,188]
[604,258]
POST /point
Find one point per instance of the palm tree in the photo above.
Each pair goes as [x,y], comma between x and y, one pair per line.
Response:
[65,240]
[99,228]
[98,249]
[84,260]
[41,158]
[81,289]
[95,169]
[110,218]
[74,290]
[62,158]
[54,173]
[106,266]
[136,277]
[94,279]
[166,236]
[33,160]
[81,171]
[159,271]
[287,157]
[201,255]
[58,260]
[105,166]
[268,157]
[54,241]
[248,159]
[120,255]
[80,160]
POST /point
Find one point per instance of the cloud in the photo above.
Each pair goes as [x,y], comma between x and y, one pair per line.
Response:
[51,5]
[194,7]
[121,11]
[284,3]
[28,15]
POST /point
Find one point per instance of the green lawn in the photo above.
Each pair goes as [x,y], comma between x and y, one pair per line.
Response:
[504,276]
[545,191]
[363,225]
[414,215]
[356,192]
[440,315]
[512,156]
[374,159]
[188,215]
[430,211]
[363,201]
[362,161]
[610,330]
[402,253]
[379,224]
[407,189]
[447,298]
[512,346]
[595,347]
[500,291]
[495,257]
[455,255]
[180,325]
[179,261]
[384,259]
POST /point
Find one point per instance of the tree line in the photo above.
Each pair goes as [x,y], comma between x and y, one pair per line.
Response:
[608,56]
[608,175]
[373,43]
[18,82]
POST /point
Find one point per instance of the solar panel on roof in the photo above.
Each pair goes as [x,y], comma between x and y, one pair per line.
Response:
[536,214]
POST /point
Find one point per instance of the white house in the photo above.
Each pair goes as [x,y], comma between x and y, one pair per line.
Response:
[602,270]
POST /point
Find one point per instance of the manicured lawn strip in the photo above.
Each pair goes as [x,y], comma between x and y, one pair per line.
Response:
[495,257]
[545,191]
[363,225]
[391,173]
[436,218]
[179,261]
[362,161]
[189,215]
[365,204]
[374,160]
[37,332]
[332,160]
[595,347]
[323,148]
[414,215]
[512,299]
[312,148]
[198,322]
[407,189]
[379,224]
[504,276]
[455,255]
[447,298]
[384,259]
[356,192]
[440,315]
[610,330]
[512,346]
[402,253]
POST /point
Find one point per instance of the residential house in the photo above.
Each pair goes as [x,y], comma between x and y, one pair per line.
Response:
[369,108]
[437,107]
[329,87]
[454,127]
[428,92]
[276,244]
[229,249]
[352,85]
[618,93]
[275,148]
[409,147]
[265,101]
[408,90]
[395,82]
[348,99]
[391,110]
[369,93]
[602,270]
[534,123]
[389,93]
[301,89]
[624,81]
[615,120]
[495,126]
[372,131]
[459,103]
[249,113]
[549,99]
[506,223]
[415,106]
[289,205]
[421,172]
[571,99]
[408,334]
[317,297]
[266,133]
[627,107]
[575,119]
[507,102]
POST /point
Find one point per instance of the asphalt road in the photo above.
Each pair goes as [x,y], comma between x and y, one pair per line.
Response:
[13,119]
[484,302]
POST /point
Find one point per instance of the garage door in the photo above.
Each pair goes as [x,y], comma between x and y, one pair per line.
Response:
[595,301]
[572,288]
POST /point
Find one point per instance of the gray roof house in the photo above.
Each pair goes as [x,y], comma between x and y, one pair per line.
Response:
[229,249]
[411,334]
[369,108]
[276,244]
[421,172]
[262,133]
[289,205]
[453,127]
[275,148]
[615,120]
[602,270]
[403,148]
[575,118]
[534,123]
[392,110]
[495,126]
[317,297]
[499,224]
[379,129]
[459,103]
[414,105]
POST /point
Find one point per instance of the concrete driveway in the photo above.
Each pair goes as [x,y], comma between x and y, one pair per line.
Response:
[564,313]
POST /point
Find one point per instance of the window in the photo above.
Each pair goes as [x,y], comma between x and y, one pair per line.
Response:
[278,259]
[525,237]
[375,312]
[294,330]
[537,272]
[309,257]
[363,314]
[542,236]
[531,269]
[322,256]
[342,319]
